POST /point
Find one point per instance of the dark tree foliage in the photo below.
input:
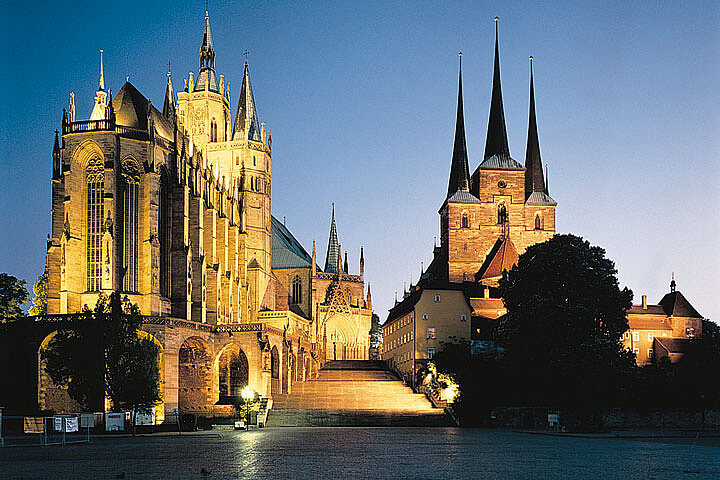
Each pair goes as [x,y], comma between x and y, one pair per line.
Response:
[696,371]
[13,295]
[565,318]
[375,337]
[40,301]
[103,353]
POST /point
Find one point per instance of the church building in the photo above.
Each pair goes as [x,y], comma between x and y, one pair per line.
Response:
[172,207]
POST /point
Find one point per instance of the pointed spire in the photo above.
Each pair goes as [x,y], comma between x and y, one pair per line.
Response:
[56,156]
[496,142]
[102,77]
[534,181]
[333,251]
[345,265]
[207,52]
[314,260]
[459,171]
[246,125]
[168,109]
[673,285]
[362,263]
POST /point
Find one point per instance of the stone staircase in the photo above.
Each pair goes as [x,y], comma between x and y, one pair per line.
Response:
[354,393]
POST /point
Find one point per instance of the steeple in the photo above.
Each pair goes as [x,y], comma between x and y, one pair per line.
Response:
[100,107]
[496,142]
[345,265]
[362,263]
[459,171]
[168,109]
[534,181]
[56,157]
[246,126]
[332,258]
[206,79]
[207,52]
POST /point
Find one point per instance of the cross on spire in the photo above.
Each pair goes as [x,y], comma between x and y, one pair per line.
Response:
[246,53]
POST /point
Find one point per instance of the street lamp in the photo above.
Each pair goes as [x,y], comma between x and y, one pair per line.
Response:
[247,393]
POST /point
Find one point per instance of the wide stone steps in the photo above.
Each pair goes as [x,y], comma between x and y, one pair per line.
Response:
[354,393]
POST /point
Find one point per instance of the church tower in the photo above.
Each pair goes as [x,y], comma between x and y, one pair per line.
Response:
[503,208]
[239,156]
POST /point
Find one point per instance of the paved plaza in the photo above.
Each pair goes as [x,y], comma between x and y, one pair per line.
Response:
[365,453]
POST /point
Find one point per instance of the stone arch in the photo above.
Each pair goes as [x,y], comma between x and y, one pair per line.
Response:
[274,370]
[233,371]
[159,408]
[194,376]
[86,151]
[51,396]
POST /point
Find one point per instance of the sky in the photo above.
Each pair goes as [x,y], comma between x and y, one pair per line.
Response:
[361,96]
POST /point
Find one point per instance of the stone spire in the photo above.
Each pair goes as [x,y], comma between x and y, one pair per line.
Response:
[168,109]
[362,263]
[314,260]
[346,268]
[57,170]
[207,51]
[246,126]
[459,171]
[332,259]
[534,181]
[206,79]
[496,142]
[99,109]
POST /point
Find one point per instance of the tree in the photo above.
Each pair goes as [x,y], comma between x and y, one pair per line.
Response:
[696,372]
[13,295]
[40,301]
[565,318]
[375,337]
[103,354]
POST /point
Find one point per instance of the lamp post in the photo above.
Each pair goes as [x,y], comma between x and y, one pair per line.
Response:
[247,393]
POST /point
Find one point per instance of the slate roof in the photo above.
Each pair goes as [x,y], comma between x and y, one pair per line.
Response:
[463,196]
[287,252]
[131,110]
[650,310]
[534,180]
[246,125]
[675,304]
[206,75]
[496,142]
[500,161]
[540,198]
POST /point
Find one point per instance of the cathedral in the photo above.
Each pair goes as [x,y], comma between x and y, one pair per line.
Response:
[172,207]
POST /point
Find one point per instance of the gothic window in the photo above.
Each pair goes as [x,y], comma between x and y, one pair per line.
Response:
[502,214]
[296,290]
[213,130]
[129,193]
[95,188]
[465,221]
[164,235]
[538,222]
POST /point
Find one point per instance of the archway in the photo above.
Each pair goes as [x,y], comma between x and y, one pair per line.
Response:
[274,371]
[233,372]
[194,376]
[51,396]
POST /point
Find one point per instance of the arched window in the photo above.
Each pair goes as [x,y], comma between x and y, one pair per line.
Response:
[465,221]
[129,191]
[296,290]
[95,213]
[538,222]
[213,130]
[502,214]
[164,234]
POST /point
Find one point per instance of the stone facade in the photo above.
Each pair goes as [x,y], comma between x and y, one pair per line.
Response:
[173,209]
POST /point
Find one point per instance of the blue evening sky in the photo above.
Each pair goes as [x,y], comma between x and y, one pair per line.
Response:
[361,98]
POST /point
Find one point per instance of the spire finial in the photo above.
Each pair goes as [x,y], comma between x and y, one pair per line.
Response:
[246,53]
[102,77]
[672,282]
[127,67]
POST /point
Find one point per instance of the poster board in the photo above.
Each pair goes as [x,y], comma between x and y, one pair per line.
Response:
[71,424]
[34,425]
[87,420]
[115,422]
[145,417]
